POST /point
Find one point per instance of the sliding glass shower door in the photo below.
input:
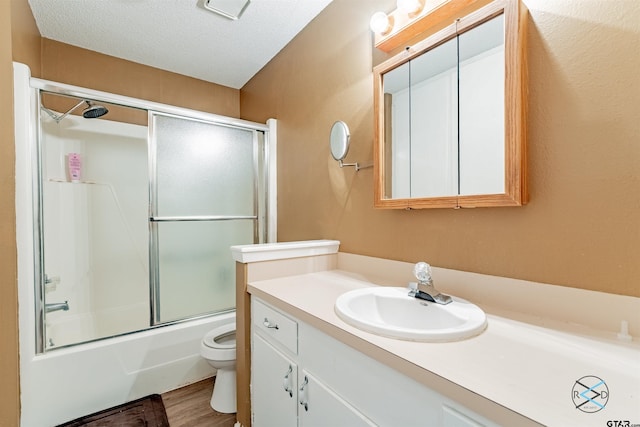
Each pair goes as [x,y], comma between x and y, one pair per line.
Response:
[204,198]
[139,235]
[92,228]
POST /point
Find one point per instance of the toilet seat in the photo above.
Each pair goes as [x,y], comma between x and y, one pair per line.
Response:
[220,343]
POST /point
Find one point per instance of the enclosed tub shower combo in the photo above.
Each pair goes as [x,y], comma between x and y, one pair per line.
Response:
[126,211]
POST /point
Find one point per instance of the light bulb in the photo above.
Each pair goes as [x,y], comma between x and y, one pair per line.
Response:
[409,6]
[379,23]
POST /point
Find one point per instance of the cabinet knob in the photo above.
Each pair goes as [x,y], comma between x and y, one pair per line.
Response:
[267,323]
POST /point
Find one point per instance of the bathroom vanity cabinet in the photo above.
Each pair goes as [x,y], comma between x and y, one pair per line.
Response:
[283,392]
[355,378]
[303,377]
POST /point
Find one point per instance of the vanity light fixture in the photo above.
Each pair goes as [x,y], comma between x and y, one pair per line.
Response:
[381,23]
[416,17]
[231,9]
[410,7]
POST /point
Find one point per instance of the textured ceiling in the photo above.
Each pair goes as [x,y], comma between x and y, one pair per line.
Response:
[179,35]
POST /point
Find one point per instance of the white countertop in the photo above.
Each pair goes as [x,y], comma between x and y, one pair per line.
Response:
[527,364]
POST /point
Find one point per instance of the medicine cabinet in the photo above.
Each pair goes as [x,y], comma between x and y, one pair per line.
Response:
[450,115]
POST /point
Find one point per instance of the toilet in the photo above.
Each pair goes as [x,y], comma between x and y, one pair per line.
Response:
[218,347]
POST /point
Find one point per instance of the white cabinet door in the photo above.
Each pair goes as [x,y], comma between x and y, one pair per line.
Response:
[273,386]
[321,407]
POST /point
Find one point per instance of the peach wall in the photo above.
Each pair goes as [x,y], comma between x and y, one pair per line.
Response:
[85,68]
[25,37]
[581,227]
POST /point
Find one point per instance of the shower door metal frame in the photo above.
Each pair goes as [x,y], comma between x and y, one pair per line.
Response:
[38,232]
[40,85]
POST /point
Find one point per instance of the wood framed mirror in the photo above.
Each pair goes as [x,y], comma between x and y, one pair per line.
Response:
[450,115]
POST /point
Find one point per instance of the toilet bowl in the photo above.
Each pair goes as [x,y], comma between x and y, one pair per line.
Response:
[218,347]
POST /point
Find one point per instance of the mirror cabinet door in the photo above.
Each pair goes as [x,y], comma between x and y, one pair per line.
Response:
[448,133]
[397,137]
[481,113]
[434,132]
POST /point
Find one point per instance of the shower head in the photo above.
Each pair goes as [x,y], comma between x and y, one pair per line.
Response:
[94,111]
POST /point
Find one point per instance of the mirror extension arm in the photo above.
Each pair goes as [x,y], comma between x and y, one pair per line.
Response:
[356,164]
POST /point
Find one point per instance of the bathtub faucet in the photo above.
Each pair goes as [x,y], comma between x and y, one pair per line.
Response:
[57,306]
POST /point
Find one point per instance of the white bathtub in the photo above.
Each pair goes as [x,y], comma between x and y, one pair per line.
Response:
[70,382]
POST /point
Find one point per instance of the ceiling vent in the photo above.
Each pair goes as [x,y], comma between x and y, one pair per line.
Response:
[231,9]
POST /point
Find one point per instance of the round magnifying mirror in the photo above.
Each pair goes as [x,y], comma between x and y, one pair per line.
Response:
[339,140]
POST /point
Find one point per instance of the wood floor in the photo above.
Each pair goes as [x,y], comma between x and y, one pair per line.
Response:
[189,407]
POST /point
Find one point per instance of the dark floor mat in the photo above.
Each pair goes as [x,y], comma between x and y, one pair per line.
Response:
[147,411]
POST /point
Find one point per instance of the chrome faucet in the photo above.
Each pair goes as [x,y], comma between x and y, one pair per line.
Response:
[424,289]
[57,306]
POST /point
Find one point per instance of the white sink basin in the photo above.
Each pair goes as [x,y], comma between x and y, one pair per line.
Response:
[390,312]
